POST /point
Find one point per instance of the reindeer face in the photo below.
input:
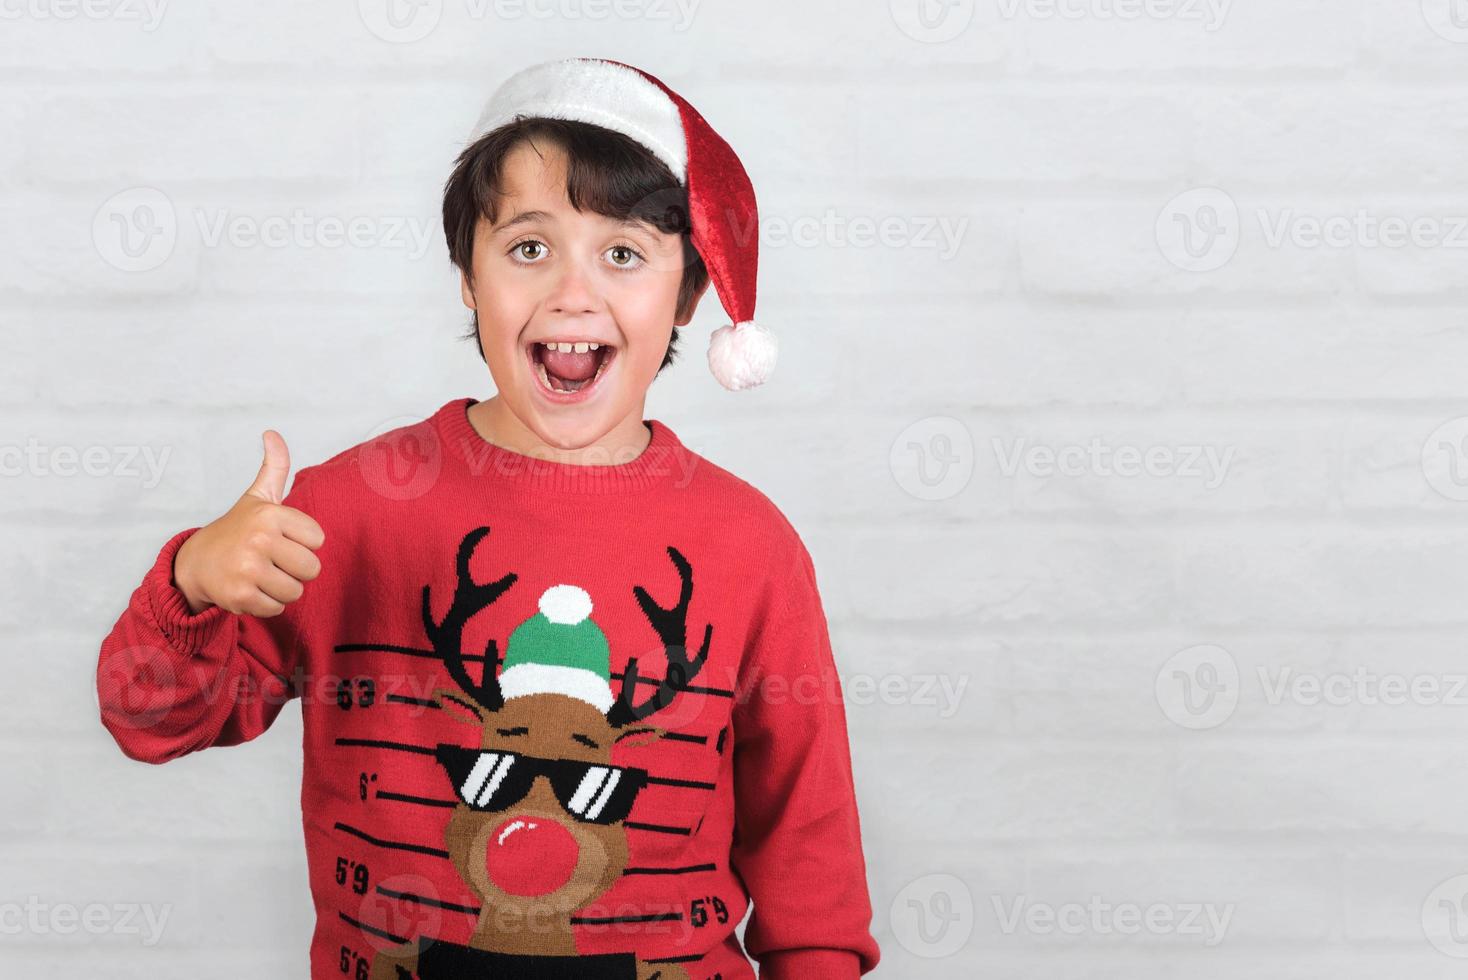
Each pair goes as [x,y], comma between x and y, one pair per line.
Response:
[541,805]
[539,826]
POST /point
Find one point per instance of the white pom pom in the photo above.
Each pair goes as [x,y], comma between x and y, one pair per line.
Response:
[742,355]
[565,604]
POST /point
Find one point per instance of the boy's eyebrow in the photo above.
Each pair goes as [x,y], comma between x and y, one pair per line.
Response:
[523,218]
[527,217]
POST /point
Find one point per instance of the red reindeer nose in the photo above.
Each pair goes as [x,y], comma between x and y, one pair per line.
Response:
[530,856]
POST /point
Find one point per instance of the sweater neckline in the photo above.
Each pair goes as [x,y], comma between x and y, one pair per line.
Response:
[662,461]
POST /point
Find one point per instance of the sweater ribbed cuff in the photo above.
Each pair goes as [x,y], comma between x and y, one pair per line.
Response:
[187,632]
[806,964]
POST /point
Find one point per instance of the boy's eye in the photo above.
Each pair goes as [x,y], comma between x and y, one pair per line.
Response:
[623,257]
[529,251]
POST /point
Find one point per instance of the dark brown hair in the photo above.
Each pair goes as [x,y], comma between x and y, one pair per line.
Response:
[606,173]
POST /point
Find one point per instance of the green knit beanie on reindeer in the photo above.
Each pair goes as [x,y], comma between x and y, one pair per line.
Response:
[559,650]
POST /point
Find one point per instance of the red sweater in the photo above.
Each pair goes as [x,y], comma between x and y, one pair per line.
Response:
[559,720]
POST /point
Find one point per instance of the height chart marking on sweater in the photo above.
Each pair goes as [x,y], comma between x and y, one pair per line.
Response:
[540,814]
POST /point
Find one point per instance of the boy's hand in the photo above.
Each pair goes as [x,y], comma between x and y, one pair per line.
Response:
[255,558]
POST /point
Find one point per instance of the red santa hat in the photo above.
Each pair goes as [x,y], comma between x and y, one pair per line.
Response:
[721,205]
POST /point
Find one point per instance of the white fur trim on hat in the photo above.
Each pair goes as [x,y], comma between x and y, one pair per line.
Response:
[525,679]
[598,92]
[742,355]
[565,604]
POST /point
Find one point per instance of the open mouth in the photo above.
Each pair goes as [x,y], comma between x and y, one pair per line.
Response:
[568,369]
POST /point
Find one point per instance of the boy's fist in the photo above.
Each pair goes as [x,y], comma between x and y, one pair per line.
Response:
[256,557]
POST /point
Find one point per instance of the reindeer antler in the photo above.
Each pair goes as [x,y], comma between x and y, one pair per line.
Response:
[671,625]
[447,634]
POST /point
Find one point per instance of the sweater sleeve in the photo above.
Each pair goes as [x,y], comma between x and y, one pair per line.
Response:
[797,841]
[171,682]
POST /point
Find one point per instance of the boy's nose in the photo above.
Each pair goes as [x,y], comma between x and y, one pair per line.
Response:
[574,293]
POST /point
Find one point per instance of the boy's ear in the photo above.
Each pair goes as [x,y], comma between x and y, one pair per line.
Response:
[687,317]
[466,291]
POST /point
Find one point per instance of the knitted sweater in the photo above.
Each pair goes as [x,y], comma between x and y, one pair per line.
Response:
[559,720]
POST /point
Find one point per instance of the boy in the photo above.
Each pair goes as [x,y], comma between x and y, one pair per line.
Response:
[568,692]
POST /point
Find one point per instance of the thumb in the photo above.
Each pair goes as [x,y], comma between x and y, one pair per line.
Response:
[269,483]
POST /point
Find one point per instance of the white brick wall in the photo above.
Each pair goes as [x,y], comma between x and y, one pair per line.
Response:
[1026,649]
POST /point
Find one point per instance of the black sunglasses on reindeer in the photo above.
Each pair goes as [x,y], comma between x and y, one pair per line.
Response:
[490,781]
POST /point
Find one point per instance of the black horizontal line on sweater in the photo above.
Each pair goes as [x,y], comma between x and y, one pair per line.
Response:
[421,900]
[416,702]
[658,828]
[579,920]
[399,648]
[715,692]
[391,844]
[383,933]
[379,743]
[679,783]
[481,658]
[382,743]
[670,871]
[383,794]
[693,958]
[595,920]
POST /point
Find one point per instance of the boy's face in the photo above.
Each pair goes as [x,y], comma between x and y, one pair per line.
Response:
[545,273]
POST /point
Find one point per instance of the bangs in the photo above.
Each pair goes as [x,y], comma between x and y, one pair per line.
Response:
[607,173]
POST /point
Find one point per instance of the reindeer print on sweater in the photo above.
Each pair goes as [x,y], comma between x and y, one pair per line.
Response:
[538,831]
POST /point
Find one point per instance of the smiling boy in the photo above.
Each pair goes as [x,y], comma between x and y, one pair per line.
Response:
[569,699]
[572,308]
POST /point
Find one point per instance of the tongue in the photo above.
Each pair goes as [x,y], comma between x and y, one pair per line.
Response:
[570,367]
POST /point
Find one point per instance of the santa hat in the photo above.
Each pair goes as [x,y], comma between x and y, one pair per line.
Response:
[721,205]
[559,650]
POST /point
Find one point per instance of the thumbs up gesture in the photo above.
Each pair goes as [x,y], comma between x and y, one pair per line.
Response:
[257,557]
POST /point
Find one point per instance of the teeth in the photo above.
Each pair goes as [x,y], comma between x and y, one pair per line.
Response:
[580,347]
